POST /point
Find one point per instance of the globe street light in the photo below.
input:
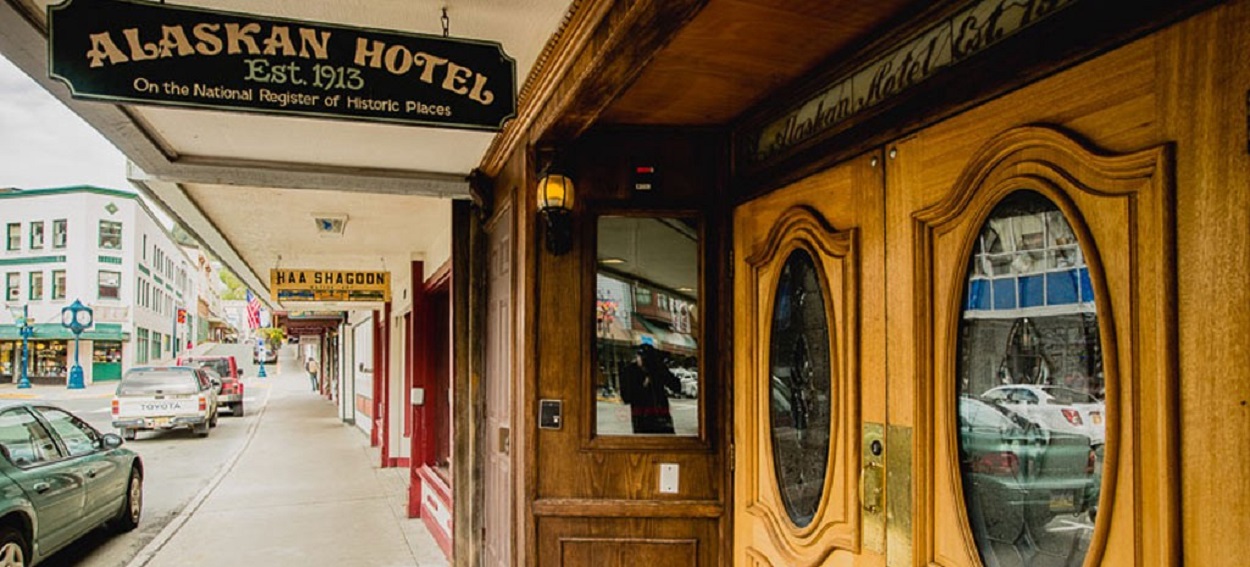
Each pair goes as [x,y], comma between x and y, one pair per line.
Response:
[76,318]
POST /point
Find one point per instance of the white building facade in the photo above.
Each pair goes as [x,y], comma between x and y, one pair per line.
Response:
[207,320]
[102,247]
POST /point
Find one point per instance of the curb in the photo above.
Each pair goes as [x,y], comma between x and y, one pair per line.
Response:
[149,551]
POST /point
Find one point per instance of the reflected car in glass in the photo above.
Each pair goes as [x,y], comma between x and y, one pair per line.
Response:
[1054,407]
[165,397]
[60,478]
[689,381]
[1023,474]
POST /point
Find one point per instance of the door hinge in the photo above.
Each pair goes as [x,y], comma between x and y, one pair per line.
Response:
[733,457]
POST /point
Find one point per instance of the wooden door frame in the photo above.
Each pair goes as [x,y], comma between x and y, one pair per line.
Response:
[423,363]
[382,384]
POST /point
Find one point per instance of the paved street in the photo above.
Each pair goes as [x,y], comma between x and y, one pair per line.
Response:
[286,484]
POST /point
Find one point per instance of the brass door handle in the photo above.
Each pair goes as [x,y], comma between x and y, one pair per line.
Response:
[874,506]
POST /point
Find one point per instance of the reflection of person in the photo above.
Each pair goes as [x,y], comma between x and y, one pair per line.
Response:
[311,367]
[643,384]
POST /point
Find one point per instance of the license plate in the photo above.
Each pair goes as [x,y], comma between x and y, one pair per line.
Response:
[1062,501]
[1096,417]
[158,422]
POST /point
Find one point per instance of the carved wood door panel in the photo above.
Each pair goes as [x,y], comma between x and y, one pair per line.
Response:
[809,372]
[1039,350]
[958,356]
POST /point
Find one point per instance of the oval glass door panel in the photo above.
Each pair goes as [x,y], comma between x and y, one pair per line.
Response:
[1030,389]
[800,382]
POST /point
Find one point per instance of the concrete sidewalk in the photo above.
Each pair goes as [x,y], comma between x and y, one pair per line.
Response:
[305,490]
[48,393]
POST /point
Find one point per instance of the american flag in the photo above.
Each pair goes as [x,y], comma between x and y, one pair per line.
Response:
[253,311]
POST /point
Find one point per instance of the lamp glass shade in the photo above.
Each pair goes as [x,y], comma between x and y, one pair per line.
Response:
[555,191]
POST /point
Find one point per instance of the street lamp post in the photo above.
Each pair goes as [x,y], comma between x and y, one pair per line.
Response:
[76,318]
[25,330]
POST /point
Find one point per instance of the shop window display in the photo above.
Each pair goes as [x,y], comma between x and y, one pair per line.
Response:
[48,359]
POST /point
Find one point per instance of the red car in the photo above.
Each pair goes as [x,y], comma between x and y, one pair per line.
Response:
[231,394]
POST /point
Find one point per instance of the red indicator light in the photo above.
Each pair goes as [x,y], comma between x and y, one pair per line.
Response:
[644,169]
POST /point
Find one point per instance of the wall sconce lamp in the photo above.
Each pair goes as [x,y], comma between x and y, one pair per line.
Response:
[555,202]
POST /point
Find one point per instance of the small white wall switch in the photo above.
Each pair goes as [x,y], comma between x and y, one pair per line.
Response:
[668,478]
[418,396]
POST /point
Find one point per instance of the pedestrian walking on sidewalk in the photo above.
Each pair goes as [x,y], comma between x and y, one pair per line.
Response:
[312,367]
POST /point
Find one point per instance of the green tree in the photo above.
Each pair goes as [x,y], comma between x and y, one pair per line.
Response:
[234,287]
[274,336]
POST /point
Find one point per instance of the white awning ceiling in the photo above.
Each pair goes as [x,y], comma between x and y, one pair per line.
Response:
[248,185]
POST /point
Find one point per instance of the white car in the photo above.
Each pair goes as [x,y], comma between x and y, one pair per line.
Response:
[689,381]
[1055,407]
[165,397]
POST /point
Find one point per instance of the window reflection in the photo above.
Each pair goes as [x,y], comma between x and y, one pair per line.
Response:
[646,326]
[1030,396]
[800,384]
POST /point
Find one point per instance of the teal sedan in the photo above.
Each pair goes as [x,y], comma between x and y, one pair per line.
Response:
[60,479]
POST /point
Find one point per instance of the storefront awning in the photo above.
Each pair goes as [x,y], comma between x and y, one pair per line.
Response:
[665,339]
[642,331]
[53,331]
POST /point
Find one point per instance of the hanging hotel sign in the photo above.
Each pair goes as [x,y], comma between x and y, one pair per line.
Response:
[954,39]
[329,285]
[144,52]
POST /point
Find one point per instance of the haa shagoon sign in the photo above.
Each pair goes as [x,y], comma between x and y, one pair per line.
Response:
[144,52]
[329,285]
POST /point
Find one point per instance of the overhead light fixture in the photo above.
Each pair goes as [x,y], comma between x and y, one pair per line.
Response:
[555,203]
[330,224]
[612,261]
[685,289]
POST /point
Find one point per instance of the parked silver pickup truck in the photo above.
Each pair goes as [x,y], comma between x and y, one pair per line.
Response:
[165,397]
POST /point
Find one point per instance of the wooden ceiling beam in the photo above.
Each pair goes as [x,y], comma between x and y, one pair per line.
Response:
[600,49]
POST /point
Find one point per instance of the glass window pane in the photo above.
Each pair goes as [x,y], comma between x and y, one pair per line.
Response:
[36,285]
[78,438]
[110,235]
[646,326]
[13,286]
[58,233]
[58,284]
[1030,410]
[24,441]
[158,381]
[110,285]
[800,387]
[36,235]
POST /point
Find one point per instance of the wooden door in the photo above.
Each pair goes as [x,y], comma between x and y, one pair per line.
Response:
[810,376]
[1029,260]
[499,376]
[884,302]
